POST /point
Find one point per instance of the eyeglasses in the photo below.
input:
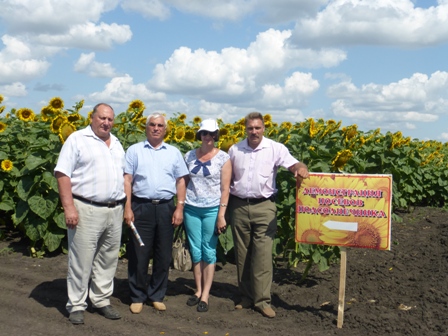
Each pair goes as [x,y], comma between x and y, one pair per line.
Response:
[205,133]
[158,125]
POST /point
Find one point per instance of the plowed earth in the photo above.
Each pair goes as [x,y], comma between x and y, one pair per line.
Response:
[399,292]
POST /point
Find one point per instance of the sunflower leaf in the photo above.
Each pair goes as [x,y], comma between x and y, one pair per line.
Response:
[32,162]
[24,187]
[52,241]
[43,208]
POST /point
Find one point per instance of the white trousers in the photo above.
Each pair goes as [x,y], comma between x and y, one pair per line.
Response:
[93,255]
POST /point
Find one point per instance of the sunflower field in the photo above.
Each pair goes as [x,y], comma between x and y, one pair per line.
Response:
[30,144]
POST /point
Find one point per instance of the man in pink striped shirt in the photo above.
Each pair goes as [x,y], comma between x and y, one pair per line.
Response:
[252,210]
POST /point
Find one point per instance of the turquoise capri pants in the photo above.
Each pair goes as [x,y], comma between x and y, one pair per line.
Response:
[200,224]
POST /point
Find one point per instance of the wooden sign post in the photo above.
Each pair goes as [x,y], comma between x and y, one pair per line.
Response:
[342,278]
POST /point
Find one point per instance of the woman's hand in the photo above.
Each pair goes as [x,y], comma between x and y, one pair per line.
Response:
[221,225]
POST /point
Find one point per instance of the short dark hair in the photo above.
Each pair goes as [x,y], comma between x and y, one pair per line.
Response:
[252,116]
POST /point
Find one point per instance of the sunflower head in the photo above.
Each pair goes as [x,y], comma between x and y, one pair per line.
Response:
[267,118]
[169,127]
[313,128]
[57,122]
[224,131]
[197,120]
[136,105]
[65,130]
[235,127]
[342,158]
[272,132]
[7,165]
[25,114]
[74,117]
[141,123]
[1,98]
[351,132]
[190,135]
[2,108]
[286,125]
[227,142]
[56,103]
[2,127]
[89,118]
[179,134]
[46,112]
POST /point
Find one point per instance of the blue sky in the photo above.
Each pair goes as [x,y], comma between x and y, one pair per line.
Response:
[377,63]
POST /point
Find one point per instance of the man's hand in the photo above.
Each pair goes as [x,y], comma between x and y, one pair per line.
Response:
[128,215]
[178,216]
[299,170]
[71,217]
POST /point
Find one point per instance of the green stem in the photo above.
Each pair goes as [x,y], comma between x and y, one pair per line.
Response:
[309,264]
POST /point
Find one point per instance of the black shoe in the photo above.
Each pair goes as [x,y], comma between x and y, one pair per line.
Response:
[77,317]
[109,312]
[193,301]
[202,307]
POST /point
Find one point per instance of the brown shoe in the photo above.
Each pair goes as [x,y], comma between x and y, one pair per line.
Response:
[266,312]
[160,306]
[136,308]
[245,303]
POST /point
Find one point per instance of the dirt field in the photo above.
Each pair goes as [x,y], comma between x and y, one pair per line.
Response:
[399,292]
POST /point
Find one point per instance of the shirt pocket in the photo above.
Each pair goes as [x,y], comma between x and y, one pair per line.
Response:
[266,169]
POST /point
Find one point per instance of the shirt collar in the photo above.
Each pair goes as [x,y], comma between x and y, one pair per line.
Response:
[88,131]
[162,145]
[263,144]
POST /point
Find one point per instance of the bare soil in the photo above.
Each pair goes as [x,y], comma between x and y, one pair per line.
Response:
[399,292]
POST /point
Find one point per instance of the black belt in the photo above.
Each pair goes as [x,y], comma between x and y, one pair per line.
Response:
[112,204]
[147,200]
[255,200]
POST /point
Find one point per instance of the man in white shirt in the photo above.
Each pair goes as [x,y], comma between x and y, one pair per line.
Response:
[90,172]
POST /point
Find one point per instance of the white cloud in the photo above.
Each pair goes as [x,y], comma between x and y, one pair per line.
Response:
[161,9]
[14,48]
[123,90]
[49,26]
[148,8]
[23,70]
[410,126]
[444,137]
[420,99]
[51,16]
[295,92]
[218,9]
[86,64]
[279,11]
[88,36]
[381,22]
[420,94]
[16,89]
[235,72]
[16,63]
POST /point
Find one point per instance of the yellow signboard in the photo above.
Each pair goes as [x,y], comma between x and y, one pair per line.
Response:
[350,210]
